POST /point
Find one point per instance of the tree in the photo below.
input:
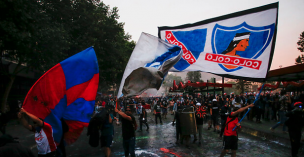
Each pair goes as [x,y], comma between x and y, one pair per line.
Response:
[168,82]
[242,85]
[301,42]
[300,58]
[230,90]
[212,80]
[19,25]
[194,76]
[36,35]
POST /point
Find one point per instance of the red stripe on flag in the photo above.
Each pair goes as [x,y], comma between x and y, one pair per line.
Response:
[187,55]
[86,90]
[47,128]
[75,129]
[225,59]
[46,93]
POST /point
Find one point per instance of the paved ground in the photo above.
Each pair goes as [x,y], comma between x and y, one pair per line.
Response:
[160,142]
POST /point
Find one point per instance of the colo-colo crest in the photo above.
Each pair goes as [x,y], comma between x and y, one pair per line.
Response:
[239,46]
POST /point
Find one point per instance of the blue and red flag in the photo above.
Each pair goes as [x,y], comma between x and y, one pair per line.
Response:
[67,91]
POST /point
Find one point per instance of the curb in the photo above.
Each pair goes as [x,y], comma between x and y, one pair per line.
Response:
[272,137]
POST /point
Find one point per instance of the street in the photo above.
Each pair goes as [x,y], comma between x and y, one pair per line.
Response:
[160,140]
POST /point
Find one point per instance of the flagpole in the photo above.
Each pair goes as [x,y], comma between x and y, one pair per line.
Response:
[253,103]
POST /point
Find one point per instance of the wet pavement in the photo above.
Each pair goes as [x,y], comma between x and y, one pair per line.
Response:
[160,140]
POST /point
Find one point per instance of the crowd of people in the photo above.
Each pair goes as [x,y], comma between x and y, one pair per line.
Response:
[221,113]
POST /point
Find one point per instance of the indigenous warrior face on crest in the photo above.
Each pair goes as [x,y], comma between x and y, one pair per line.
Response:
[239,43]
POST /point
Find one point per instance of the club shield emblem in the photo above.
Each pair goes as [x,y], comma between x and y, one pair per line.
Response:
[240,46]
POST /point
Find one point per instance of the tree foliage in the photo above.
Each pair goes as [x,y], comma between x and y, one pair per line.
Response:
[40,34]
[231,90]
[301,42]
[168,82]
[242,85]
[194,76]
[300,58]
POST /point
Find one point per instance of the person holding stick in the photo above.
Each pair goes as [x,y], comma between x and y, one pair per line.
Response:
[230,134]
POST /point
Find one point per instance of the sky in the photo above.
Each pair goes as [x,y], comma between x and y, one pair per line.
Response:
[147,15]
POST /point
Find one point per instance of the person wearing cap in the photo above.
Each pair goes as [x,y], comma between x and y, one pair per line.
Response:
[199,115]
[230,141]
[295,124]
[215,115]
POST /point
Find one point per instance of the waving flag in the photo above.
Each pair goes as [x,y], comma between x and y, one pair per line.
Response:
[67,91]
[238,45]
[148,65]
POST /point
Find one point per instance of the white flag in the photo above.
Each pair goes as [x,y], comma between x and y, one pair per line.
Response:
[149,63]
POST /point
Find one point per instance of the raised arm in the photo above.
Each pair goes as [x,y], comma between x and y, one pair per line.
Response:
[123,115]
[24,121]
[33,117]
[241,110]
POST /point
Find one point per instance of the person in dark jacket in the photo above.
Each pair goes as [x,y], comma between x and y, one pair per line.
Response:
[259,105]
[129,126]
[215,115]
[199,115]
[157,112]
[178,126]
[284,100]
[295,124]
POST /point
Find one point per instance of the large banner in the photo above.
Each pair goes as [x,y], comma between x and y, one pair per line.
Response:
[238,45]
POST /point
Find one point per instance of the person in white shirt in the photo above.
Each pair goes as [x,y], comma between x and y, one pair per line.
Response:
[43,134]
